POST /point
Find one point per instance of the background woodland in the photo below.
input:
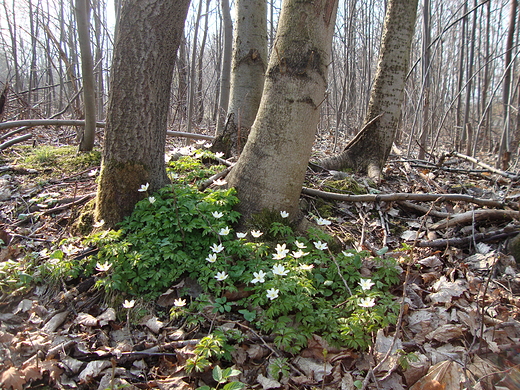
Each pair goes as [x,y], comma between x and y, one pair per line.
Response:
[461,91]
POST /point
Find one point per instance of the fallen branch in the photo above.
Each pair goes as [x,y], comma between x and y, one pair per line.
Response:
[216,176]
[81,200]
[16,140]
[72,122]
[45,122]
[461,242]
[509,175]
[423,210]
[402,197]
[475,216]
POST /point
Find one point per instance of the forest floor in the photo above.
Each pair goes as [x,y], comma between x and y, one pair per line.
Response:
[459,324]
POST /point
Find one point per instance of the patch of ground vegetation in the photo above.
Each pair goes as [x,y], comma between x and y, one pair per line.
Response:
[176,298]
[52,160]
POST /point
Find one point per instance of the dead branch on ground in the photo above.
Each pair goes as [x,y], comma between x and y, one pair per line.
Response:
[402,197]
[475,216]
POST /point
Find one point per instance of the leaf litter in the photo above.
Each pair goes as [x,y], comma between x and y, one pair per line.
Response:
[459,326]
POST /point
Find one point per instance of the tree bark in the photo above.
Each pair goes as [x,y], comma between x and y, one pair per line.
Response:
[87,69]
[225,72]
[193,69]
[247,74]
[270,172]
[369,150]
[133,155]
[503,150]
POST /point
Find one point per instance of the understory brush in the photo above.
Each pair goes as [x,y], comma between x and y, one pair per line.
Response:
[287,284]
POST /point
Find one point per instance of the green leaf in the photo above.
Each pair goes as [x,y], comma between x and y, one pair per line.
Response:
[382,251]
[217,375]
[234,386]
[228,372]
[248,315]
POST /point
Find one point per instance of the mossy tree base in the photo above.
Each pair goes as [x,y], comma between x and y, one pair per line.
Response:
[84,222]
[119,185]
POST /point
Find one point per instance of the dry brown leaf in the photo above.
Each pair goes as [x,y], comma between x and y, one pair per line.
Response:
[446,375]
[312,368]
[52,367]
[316,347]
[154,324]
[55,322]
[5,337]
[445,290]
[446,332]
[109,315]
[86,319]
[12,378]
[32,371]
[257,351]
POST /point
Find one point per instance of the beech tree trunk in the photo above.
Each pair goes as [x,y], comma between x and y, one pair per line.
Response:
[247,75]
[270,171]
[133,155]
[369,150]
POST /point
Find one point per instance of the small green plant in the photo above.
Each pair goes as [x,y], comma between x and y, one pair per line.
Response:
[279,368]
[406,358]
[208,347]
[221,305]
[214,346]
[221,377]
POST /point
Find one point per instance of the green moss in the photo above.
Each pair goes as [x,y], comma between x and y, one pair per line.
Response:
[325,209]
[60,159]
[346,185]
[264,221]
[84,222]
[119,183]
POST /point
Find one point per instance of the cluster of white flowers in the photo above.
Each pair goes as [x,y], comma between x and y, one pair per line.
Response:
[279,269]
[366,284]
[281,252]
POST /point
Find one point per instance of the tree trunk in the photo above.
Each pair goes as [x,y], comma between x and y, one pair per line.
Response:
[469,88]
[225,72]
[200,93]
[426,64]
[503,152]
[133,155]
[369,150]
[193,68]
[269,173]
[247,74]
[87,70]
